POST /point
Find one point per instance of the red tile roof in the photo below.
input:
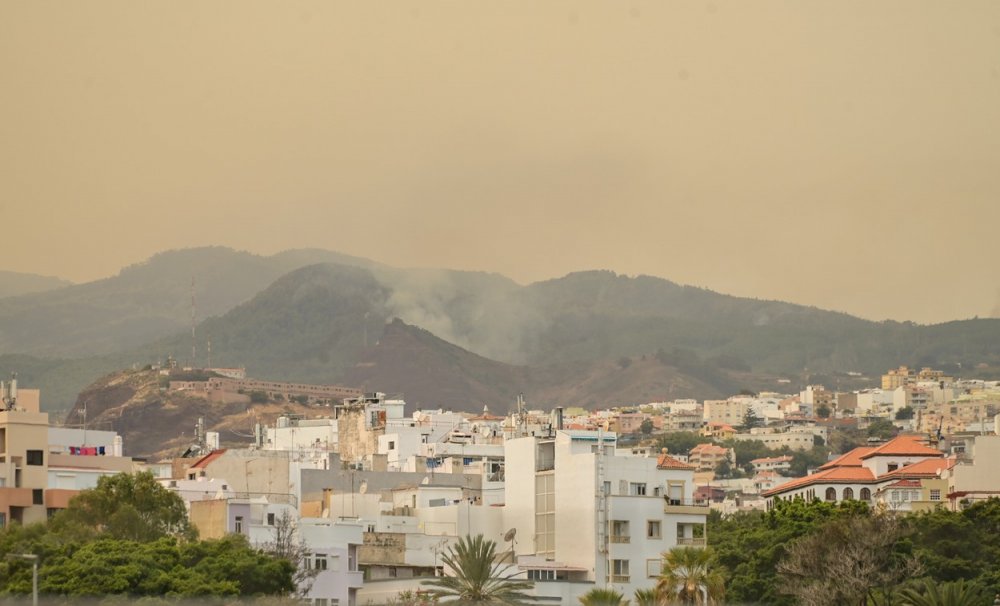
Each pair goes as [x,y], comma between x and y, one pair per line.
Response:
[849,459]
[700,448]
[665,461]
[903,446]
[205,460]
[928,468]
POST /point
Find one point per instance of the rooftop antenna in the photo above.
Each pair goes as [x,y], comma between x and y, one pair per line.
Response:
[194,343]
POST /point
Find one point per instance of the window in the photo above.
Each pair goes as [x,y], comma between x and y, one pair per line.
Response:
[541,575]
[270,519]
[34,457]
[320,561]
[619,571]
[637,489]
[935,494]
[831,494]
[848,494]
[893,466]
[607,487]
[866,494]
[392,445]
[37,496]
[3,520]
[238,526]
[656,491]
[653,568]
[619,531]
[321,602]
[653,529]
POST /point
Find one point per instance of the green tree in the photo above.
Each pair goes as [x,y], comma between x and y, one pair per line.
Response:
[823,411]
[679,442]
[646,427]
[477,576]
[599,596]
[689,577]
[905,413]
[956,593]
[750,545]
[751,420]
[126,506]
[860,558]
[882,429]
[165,567]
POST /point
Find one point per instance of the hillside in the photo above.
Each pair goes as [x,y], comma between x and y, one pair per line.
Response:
[156,423]
[319,322]
[14,283]
[143,302]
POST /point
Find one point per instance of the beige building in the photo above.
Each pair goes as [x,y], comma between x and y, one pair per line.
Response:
[729,412]
[24,437]
[39,474]
[707,456]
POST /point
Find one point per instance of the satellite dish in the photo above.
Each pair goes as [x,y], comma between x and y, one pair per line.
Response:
[510,534]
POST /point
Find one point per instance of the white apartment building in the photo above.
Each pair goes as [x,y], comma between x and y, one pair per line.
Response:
[582,514]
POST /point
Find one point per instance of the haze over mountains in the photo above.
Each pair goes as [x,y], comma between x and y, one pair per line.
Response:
[451,338]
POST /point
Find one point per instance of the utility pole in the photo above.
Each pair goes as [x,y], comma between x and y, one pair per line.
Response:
[29,557]
[194,344]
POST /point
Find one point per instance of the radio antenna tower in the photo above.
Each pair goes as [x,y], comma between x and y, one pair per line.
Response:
[194,343]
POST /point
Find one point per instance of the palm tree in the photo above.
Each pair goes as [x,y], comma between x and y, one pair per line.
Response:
[478,578]
[687,577]
[646,597]
[957,593]
[603,597]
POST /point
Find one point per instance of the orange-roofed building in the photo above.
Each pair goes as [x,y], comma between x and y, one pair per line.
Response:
[722,431]
[861,473]
[708,456]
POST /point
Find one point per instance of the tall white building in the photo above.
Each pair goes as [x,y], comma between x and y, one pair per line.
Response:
[583,513]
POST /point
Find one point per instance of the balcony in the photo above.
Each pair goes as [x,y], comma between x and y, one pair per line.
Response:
[620,578]
[615,538]
[681,506]
[691,542]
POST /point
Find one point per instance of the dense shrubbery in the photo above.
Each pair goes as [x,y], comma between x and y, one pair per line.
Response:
[766,555]
[131,537]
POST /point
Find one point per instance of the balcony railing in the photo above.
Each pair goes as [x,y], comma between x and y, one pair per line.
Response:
[617,538]
[619,578]
[693,542]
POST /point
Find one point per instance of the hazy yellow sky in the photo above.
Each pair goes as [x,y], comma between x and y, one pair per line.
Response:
[844,154]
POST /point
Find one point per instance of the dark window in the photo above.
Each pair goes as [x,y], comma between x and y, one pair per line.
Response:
[37,496]
[866,495]
[35,457]
[270,519]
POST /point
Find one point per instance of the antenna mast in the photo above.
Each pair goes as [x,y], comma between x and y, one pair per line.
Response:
[194,343]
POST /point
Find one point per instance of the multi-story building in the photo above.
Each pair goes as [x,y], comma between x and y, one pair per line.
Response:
[706,457]
[40,473]
[862,472]
[729,412]
[581,513]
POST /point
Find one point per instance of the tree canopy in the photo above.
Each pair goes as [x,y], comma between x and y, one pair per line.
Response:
[129,536]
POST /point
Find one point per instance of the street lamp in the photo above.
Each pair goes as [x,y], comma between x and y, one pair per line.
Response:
[30,557]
